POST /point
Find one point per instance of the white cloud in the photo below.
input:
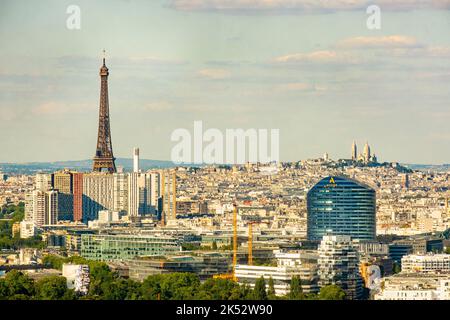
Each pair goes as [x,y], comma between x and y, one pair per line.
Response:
[376,48]
[426,52]
[53,108]
[296,86]
[302,6]
[215,74]
[219,109]
[154,60]
[8,113]
[393,41]
[324,56]
[299,87]
[439,51]
[157,106]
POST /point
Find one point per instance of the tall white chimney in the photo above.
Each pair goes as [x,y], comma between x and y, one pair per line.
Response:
[136,160]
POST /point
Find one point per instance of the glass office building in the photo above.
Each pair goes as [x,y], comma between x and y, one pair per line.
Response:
[341,206]
[124,247]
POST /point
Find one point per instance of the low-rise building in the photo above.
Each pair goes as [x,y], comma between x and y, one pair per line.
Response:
[77,276]
[125,247]
[430,263]
[27,229]
[289,264]
[205,265]
[406,286]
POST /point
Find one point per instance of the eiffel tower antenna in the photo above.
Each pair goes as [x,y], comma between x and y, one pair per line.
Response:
[104,158]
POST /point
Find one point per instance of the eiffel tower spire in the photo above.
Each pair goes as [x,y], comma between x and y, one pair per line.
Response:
[104,158]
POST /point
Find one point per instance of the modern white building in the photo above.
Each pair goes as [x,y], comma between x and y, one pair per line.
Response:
[429,263]
[143,193]
[406,286]
[370,248]
[134,193]
[41,208]
[155,190]
[299,263]
[98,194]
[77,276]
[108,216]
[105,218]
[120,193]
[339,264]
[136,182]
[51,214]
[136,160]
[43,182]
[27,229]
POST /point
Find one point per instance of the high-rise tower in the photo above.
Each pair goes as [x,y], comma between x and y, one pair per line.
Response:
[366,152]
[104,158]
[136,160]
[354,151]
[345,206]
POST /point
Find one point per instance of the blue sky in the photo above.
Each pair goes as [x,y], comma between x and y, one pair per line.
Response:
[314,71]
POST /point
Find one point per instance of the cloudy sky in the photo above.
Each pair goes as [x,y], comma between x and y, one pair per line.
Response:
[309,68]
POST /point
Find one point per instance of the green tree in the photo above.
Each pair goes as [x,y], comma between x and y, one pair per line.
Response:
[134,290]
[173,286]
[216,289]
[53,261]
[179,286]
[121,289]
[241,292]
[151,287]
[19,297]
[271,289]
[57,261]
[259,292]
[7,241]
[214,245]
[18,283]
[77,260]
[4,292]
[52,288]
[311,296]
[101,278]
[396,268]
[331,292]
[296,290]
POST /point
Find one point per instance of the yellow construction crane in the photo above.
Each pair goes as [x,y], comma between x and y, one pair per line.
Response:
[250,244]
[235,245]
[250,240]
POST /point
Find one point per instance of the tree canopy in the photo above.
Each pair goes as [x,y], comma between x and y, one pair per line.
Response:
[106,284]
[332,292]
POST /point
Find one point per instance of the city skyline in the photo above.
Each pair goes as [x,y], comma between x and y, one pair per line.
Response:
[335,84]
[228,151]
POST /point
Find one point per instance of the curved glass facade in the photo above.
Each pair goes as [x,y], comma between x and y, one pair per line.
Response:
[342,205]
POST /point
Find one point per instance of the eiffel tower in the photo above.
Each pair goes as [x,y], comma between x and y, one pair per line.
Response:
[104,158]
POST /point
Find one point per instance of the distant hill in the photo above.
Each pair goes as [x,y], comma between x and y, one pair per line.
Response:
[127,164]
[82,165]
[428,167]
